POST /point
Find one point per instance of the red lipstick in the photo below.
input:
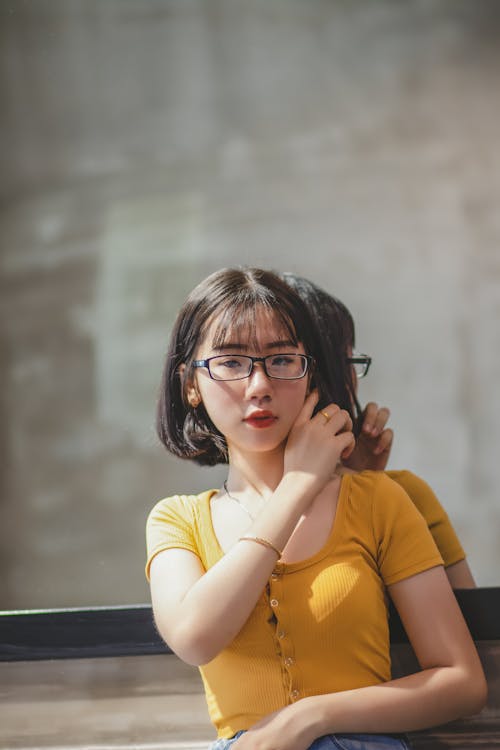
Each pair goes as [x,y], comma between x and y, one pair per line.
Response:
[260,419]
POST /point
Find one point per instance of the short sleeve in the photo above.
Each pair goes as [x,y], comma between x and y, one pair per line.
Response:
[405,546]
[170,524]
[434,514]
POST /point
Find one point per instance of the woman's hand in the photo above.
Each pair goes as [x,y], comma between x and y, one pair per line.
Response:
[316,444]
[374,442]
[286,729]
[199,612]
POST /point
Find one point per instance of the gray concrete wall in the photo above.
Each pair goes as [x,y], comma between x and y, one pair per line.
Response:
[146,144]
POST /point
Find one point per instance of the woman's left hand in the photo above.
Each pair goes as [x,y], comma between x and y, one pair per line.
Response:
[288,728]
[374,442]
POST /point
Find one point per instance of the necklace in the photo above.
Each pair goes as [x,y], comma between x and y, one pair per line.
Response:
[250,515]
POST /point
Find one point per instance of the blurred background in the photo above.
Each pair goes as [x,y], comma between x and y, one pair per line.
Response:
[146,143]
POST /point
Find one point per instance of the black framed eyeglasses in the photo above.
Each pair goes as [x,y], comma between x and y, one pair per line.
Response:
[361,363]
[240,366]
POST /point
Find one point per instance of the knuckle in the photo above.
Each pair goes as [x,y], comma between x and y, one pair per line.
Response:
[346,416]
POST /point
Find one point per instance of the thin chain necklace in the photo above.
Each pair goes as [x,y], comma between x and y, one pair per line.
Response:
[250,515]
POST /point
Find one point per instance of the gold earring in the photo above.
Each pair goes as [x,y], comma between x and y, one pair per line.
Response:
[194,398]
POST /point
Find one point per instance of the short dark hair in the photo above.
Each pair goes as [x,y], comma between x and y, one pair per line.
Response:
[335,326]
[236,295]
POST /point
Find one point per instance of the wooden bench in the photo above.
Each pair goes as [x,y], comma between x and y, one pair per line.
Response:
[97,678]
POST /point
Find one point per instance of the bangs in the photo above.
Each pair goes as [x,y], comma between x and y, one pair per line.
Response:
[241,320]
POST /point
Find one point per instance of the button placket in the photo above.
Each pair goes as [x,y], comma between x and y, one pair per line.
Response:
[284,643]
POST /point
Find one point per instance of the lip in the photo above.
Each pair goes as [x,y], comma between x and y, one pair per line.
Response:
[260,419]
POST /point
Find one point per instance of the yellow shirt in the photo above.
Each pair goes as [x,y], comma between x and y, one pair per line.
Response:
[435,515]
[320,626]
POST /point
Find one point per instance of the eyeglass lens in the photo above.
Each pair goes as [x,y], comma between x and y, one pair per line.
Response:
[235,367]
[360,368]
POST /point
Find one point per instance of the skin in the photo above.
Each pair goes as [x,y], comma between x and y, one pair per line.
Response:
[374,443]
[286,470]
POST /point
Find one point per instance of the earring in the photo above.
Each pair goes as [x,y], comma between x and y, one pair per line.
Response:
[194,399]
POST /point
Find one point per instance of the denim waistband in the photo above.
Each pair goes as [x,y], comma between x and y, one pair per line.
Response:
[339,742]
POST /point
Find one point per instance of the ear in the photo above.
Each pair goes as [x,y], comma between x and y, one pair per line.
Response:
[192,394]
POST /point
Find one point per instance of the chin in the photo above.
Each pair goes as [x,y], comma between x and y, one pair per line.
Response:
[263,445]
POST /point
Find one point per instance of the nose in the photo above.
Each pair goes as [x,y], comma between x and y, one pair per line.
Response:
[258,383]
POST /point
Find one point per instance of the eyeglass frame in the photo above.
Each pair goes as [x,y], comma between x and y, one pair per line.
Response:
[309,362]
[360,359]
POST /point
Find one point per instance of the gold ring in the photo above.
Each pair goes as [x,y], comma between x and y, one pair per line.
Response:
[326,416]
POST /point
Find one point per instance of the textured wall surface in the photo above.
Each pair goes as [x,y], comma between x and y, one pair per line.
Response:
[146,144]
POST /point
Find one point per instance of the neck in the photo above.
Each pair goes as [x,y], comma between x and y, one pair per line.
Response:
[261,472]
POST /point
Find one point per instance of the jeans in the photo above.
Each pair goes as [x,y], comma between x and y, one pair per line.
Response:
[339,742]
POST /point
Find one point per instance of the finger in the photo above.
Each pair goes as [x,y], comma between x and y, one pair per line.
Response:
[350,443]
[307,410]
[384,444]
[375,419]
[326,415]
[369,416]
[381,420]
[341,422]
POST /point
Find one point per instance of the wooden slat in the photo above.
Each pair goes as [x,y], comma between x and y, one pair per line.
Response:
[115,631]
[156,701]
[79,633]
[153,699]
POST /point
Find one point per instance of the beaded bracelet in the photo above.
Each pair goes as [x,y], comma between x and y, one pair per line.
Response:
[263,542]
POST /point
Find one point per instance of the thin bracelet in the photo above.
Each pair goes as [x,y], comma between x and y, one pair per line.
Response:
[261,541]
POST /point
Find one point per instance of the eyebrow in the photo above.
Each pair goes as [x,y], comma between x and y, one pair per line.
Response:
[244,347]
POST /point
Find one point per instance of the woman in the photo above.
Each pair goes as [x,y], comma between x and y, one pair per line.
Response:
[336,330]
[276,585]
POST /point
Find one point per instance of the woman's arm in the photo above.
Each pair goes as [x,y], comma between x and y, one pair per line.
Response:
[450,685]
[460,575]
[198,613]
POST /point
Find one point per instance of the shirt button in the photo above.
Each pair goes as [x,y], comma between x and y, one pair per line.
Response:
[289,661]
[273,602]
[281,634]
[295,694]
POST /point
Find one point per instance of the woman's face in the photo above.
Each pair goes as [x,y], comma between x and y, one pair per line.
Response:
[254,414]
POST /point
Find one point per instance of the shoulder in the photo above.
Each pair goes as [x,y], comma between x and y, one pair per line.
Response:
[370,484]
[402,543]
[421,494]
[373,495]
[378,493]
[176,521]
[184,507]
[411,482]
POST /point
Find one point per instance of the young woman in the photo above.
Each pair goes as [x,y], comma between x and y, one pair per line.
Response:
[276,585]
[335,325]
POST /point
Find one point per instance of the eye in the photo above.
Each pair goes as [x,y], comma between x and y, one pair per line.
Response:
[229,363]
[282,360]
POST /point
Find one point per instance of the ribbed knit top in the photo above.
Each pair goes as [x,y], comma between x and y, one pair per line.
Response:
[321,624]
[435,515]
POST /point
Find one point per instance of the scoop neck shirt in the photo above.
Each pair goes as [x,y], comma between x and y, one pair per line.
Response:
[321,624]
